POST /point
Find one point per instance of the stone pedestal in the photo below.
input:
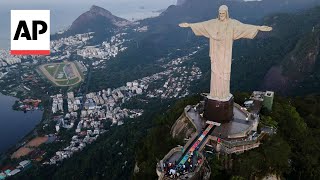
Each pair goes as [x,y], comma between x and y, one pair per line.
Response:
[217,110]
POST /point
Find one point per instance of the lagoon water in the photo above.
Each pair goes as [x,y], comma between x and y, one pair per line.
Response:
[14,125]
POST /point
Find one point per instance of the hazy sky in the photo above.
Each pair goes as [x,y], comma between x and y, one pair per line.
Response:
[87,1]
[117,7]
[64,12]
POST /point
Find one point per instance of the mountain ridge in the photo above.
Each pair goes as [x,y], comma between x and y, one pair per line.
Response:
[200,10]
[96,11]
[98,20]
[298,72]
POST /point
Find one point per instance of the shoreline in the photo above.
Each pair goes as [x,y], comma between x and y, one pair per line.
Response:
[6,153]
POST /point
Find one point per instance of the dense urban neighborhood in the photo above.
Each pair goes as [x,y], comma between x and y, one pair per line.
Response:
[87,115]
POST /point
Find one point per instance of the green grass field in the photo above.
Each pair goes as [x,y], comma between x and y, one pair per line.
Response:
[70,82]
[51,69]
[54,73]
[60,70]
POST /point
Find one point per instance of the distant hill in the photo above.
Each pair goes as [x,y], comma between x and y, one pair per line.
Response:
[95,19]
[299,70]
[98,20]
[285,60]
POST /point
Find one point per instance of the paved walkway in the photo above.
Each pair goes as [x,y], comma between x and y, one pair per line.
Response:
[196,118]
[194,147]
[238,113]
[175,157]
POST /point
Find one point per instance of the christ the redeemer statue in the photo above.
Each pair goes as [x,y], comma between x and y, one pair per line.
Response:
[222,32]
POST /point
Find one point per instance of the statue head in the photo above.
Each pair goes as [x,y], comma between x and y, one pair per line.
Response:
[223,13]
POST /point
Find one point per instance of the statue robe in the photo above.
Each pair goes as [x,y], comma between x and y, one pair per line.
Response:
[221,35]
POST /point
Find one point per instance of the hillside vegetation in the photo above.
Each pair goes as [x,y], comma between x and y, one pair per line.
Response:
[291,154]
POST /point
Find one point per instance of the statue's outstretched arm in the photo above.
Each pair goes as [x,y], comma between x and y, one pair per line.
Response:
[265,28]
[184,25]
[247,31]
[200,28]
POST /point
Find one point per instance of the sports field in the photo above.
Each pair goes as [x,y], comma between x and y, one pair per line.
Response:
[62,74]
[29,147]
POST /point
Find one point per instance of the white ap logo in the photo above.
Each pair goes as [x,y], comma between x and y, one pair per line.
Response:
[30,32]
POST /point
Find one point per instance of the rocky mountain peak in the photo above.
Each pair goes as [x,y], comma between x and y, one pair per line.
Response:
[96,19]
[100,11]
[96,11]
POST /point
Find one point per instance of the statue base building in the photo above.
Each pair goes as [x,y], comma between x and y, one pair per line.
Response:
[217,110]
[205,129]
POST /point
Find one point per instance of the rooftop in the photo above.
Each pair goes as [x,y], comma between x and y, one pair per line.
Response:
[238,127]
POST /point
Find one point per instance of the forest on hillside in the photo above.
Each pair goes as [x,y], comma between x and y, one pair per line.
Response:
[293,153]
